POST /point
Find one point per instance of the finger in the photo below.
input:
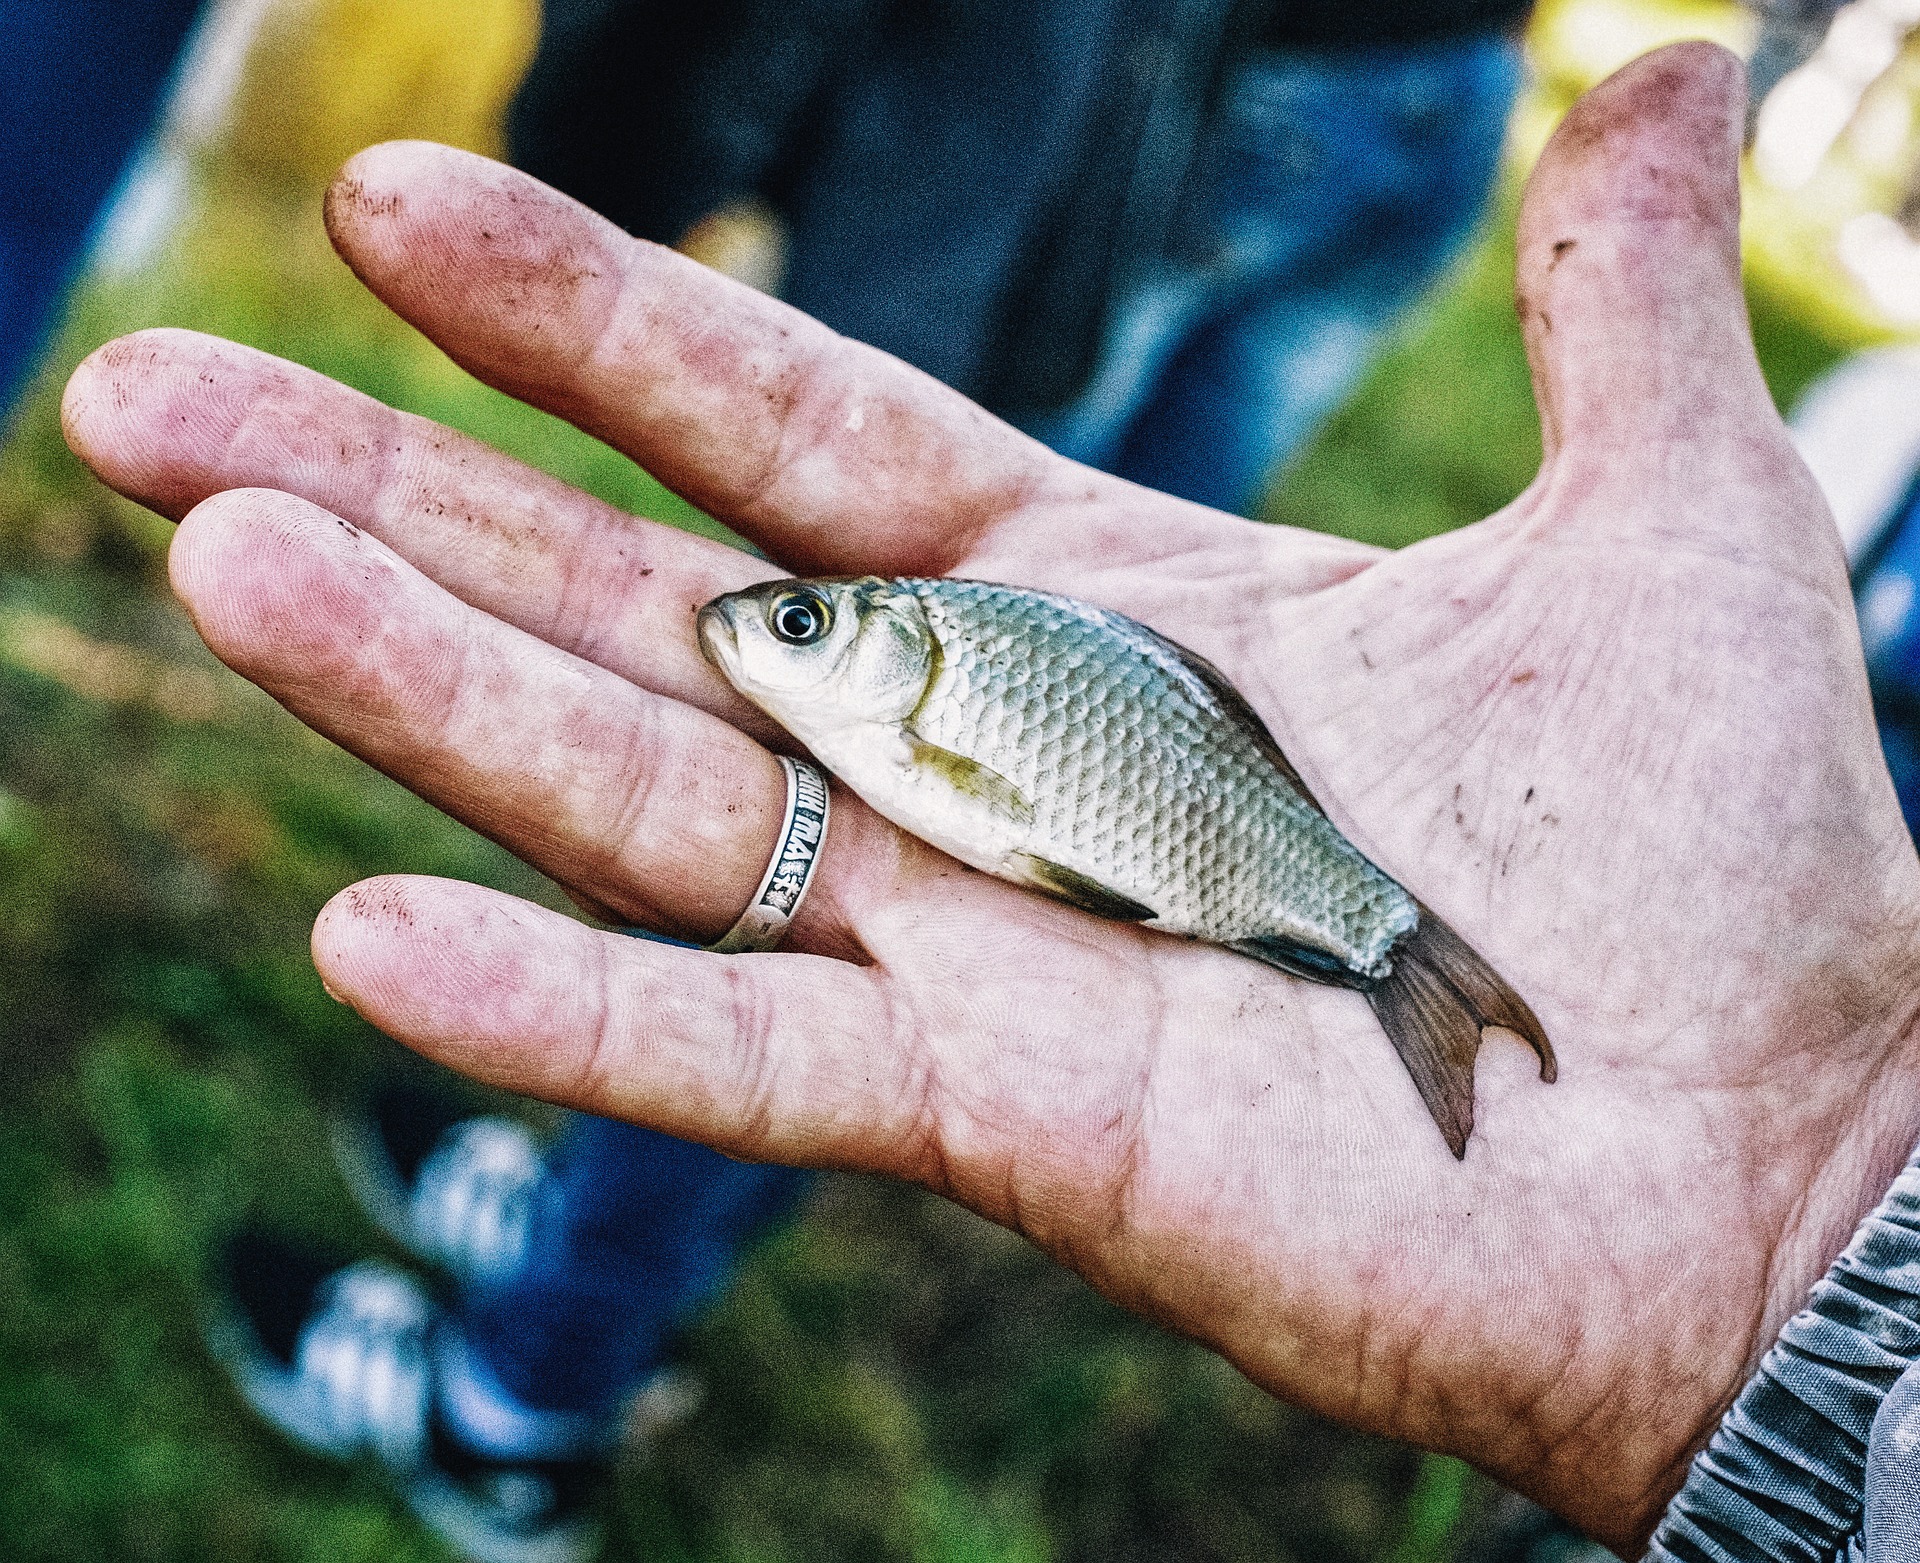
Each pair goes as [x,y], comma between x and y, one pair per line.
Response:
[169,418]
[830,454]
[788,1058]
[1629,266]
[660,812]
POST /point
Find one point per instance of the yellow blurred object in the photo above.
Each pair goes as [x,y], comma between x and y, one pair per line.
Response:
[325,78]
[1804,242]
[746,241]
[45,644]
[1573,45]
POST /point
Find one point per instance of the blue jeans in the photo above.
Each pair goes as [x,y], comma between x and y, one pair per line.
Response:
[1342,185]
[636,1232]
[80,81]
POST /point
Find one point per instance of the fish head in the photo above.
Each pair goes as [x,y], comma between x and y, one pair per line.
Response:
[820,655]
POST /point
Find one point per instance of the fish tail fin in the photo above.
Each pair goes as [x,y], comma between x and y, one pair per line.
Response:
[1434,1006]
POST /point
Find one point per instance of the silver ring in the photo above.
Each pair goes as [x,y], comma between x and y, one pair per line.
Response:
[796,851]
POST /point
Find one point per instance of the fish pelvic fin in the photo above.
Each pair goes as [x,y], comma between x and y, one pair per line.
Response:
[1301,960]
[1433,1007]
[1077,889]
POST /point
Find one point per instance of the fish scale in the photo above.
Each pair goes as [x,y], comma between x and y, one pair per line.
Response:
[1082,710]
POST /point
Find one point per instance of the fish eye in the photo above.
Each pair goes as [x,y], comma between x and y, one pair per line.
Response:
[800,617]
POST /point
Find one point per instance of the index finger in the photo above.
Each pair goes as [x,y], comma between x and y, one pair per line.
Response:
[831,454]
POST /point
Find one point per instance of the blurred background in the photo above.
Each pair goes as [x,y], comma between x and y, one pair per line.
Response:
[891,1379]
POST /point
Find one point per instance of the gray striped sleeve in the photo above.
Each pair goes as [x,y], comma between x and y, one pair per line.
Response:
[1782,1480]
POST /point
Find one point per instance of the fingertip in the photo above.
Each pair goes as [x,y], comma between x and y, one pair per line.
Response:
[86,404]
[1694,77]
[144,410]
[475,252]
[366,939]
[348,925]
[459,973]
[1628,273]
[227,529]
[374,186]
[397,948]
[259,571]
[1659,139]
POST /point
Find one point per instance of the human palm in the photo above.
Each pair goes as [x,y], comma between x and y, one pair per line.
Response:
[1617,734]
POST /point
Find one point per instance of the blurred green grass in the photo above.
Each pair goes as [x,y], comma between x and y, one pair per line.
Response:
[891,1379]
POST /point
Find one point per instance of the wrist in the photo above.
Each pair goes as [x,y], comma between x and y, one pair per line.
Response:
[1803,1342]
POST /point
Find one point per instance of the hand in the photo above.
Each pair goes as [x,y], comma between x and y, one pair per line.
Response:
[1617,734]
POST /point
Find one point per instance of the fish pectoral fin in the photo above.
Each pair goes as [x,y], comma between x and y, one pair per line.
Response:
[1301,960]
[1074,887]
[970,778]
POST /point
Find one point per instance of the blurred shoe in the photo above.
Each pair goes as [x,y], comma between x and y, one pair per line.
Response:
[336,1359]
[455,1191]
[345,1363]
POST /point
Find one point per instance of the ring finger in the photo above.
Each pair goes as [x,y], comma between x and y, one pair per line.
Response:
[651,808]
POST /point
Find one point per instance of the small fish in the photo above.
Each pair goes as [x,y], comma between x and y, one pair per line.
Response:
[1075,751]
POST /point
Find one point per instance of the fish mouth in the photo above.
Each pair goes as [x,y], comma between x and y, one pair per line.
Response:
[713,626]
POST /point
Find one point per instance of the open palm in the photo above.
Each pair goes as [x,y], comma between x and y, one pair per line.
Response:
[1618,735]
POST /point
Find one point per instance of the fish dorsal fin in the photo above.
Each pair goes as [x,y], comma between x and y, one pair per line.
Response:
[970,778]
[1076,888]
[1235,705]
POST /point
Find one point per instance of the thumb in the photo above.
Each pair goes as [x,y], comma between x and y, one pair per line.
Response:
[1629,266]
